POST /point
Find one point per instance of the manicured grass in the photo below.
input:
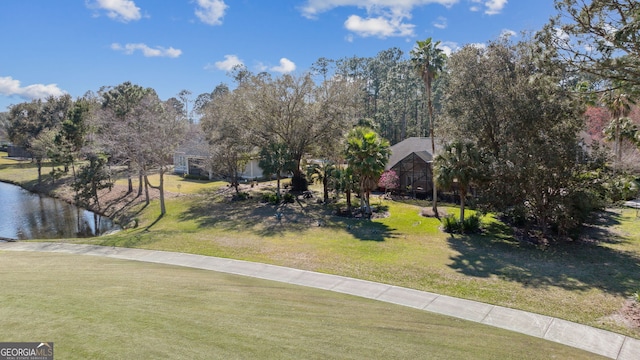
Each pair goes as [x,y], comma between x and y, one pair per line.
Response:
[98,308]
[579,282]
[585,281]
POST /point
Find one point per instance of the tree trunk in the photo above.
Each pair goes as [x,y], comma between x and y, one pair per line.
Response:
[140,180]
[39,165]
[160,188]
[163,209]
[433,152]
[463,194]
[146,190]
[325,188]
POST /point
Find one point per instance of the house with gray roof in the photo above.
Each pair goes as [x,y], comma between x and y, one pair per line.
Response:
[412,160]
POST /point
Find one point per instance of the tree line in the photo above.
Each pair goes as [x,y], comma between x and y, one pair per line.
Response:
[510,117]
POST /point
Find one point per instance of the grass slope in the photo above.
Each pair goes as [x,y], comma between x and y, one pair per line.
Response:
[97,308]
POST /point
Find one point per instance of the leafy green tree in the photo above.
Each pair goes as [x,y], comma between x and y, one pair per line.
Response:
[27,120]
[525,120]
[41,147]
[275,159]
[92,178]
[428,61]
[459,165]
[71,137]
[598,37]
[367,155]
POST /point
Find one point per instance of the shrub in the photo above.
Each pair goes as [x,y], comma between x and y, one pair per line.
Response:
[299,183]
[450,224]
[195,177]
[271,198]
[288,198]
[471,224]
[240,196]
[622,188]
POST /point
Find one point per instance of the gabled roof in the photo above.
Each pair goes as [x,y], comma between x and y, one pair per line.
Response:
[421,146]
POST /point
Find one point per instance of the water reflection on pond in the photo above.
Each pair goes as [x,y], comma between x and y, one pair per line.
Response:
[25,215]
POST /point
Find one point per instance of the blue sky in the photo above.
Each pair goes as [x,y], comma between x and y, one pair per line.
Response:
[73,46]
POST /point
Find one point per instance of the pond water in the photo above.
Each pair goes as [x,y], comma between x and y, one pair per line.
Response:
[25,215]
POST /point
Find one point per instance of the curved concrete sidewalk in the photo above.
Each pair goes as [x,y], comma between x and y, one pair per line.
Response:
[605,343]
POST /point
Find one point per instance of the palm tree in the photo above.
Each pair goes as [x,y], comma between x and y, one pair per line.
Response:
[367,154]
[459,164]
[322,173]
[619,105]
[345,182]
[428,61]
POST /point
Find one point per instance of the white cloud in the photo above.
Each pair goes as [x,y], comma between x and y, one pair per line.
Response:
[492,7]
[379,26]
[146,50]
[211,11]
[440,23]
[121,10]
[260,66]
[384,18]
[12,87]
[286,66]
[495,6]
[314,7]
[507,33]
[229,62]
[448,47]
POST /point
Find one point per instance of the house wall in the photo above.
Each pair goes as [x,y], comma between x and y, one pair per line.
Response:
[180,164]
[18,152]
[252,170]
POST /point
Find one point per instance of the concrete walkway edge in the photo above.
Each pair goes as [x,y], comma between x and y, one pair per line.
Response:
[598,341]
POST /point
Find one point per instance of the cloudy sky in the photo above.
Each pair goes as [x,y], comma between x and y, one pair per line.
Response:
[74,46]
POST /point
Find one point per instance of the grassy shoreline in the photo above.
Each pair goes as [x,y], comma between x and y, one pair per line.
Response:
[587,282]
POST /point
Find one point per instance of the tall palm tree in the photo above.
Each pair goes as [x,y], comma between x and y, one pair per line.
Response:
[367,154]
[618,102]
[459,164]
[428,61]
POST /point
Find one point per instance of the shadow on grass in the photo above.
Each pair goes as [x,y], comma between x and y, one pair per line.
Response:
[579,265]
[20,164]
[215,209]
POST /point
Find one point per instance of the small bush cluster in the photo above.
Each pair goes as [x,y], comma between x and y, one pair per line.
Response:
[471,224]
[288,198]
[274,199]
[195,177]
[241,196]
[271,198]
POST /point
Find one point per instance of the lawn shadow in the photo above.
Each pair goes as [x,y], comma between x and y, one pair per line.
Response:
[579,265]
[214,208]
[366,230]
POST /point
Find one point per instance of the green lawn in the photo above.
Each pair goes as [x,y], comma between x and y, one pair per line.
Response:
[585,282]
[98,308]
